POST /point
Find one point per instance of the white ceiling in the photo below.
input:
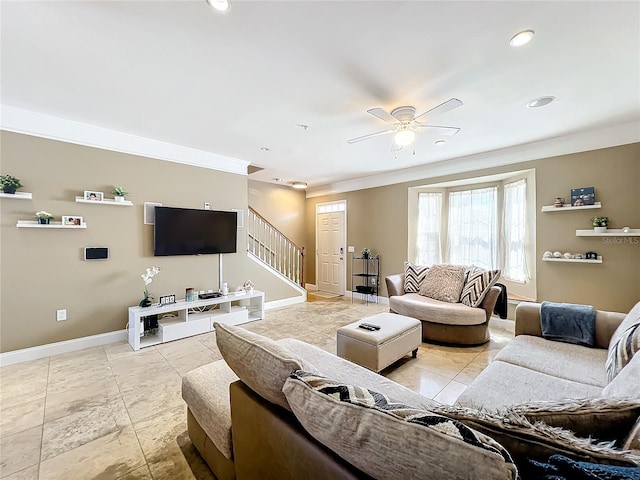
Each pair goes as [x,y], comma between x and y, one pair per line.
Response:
[229,84]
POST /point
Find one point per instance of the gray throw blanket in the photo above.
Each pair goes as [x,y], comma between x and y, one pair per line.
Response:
[566,322]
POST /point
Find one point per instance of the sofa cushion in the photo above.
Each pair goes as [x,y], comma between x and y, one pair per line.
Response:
[430,310]
[627,383]
[625,342]
[563,360]
[388,440]
[413,277]
[348,372]
[444,283]
[478,282]
[600,418]
[503,384]
[206,391]
[260,362]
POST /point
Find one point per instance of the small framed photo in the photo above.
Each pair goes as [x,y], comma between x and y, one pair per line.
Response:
[167,300]
[93,196]
[583,196]
[71,220]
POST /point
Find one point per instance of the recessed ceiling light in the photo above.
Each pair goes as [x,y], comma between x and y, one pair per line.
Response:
[299,185]
[521,38]
[265,149]
[220,5]
[540,102]
[440,142]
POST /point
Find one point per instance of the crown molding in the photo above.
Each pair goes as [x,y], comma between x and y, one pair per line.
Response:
[18,120]
[578,142]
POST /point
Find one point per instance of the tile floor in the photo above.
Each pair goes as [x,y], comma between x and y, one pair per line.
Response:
[111,413]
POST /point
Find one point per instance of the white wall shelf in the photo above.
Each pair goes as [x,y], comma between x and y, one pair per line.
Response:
[17,195]
[610,232]
[35,224]
[573,260]
[106,201]
[567,208]
[185,319]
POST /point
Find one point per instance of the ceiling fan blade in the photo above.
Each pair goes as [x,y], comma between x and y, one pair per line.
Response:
[442,108]
[371,135]
[382,115]
[440,130]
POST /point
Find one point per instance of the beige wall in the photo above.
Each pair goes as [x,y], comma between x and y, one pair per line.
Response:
[42,270]
[377,218]
[282,206]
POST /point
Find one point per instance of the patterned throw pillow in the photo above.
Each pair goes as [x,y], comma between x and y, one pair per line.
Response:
[444,283]
[624,343]
[413,277]
[479,281]
[392,440]
[623,351]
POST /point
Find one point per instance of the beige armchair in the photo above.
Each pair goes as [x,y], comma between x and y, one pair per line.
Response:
[443,322]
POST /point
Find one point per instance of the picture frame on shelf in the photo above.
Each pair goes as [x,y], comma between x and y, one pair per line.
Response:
[93,196]
[583,196]
[72,220]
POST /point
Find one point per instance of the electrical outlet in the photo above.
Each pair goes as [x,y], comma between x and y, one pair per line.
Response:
[373,281]
[207,206]
[61,315]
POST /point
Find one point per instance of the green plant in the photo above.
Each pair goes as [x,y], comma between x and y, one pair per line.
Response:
[44,215]
[119,191]
[9,181]
[365,252]
[600,221]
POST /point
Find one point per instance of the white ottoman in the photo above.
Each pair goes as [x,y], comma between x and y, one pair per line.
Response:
[375,350]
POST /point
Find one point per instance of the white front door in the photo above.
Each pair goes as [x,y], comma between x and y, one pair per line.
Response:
[331,247]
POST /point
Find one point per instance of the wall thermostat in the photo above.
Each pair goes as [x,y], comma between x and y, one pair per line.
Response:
[96,253]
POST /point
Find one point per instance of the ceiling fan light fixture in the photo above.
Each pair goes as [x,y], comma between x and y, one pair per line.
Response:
[521,38]
[299,185]
[404,137]
[220,5]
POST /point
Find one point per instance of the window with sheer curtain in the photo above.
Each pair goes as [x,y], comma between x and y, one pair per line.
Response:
[428,251]
[472,228]
[515,227]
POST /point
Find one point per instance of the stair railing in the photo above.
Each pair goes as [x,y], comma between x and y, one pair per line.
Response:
[272,247]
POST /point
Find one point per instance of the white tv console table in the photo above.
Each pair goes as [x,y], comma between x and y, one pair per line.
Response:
[184,319]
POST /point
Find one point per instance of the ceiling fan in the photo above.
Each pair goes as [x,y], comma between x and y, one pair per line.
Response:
[405,122]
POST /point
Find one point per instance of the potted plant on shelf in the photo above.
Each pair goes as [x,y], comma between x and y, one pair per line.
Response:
[119,193]
[147,277]
[9,183]
[365,252]
[44,217]
[600,224]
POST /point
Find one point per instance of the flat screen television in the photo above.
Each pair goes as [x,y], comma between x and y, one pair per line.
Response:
[187,231]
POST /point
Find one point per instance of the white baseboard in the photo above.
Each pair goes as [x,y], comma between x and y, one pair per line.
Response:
[285,302]
[311,287]
[43,351]
[374,298]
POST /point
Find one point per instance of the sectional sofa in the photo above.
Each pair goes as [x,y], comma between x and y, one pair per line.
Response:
[266,411]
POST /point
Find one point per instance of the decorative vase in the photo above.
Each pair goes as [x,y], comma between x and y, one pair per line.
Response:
[43,221]
[600,229]
[145,302]
[119,198]
[558,202]
[365,256]
[10,190]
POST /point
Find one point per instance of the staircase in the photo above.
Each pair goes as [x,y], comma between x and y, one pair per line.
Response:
[270,246]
